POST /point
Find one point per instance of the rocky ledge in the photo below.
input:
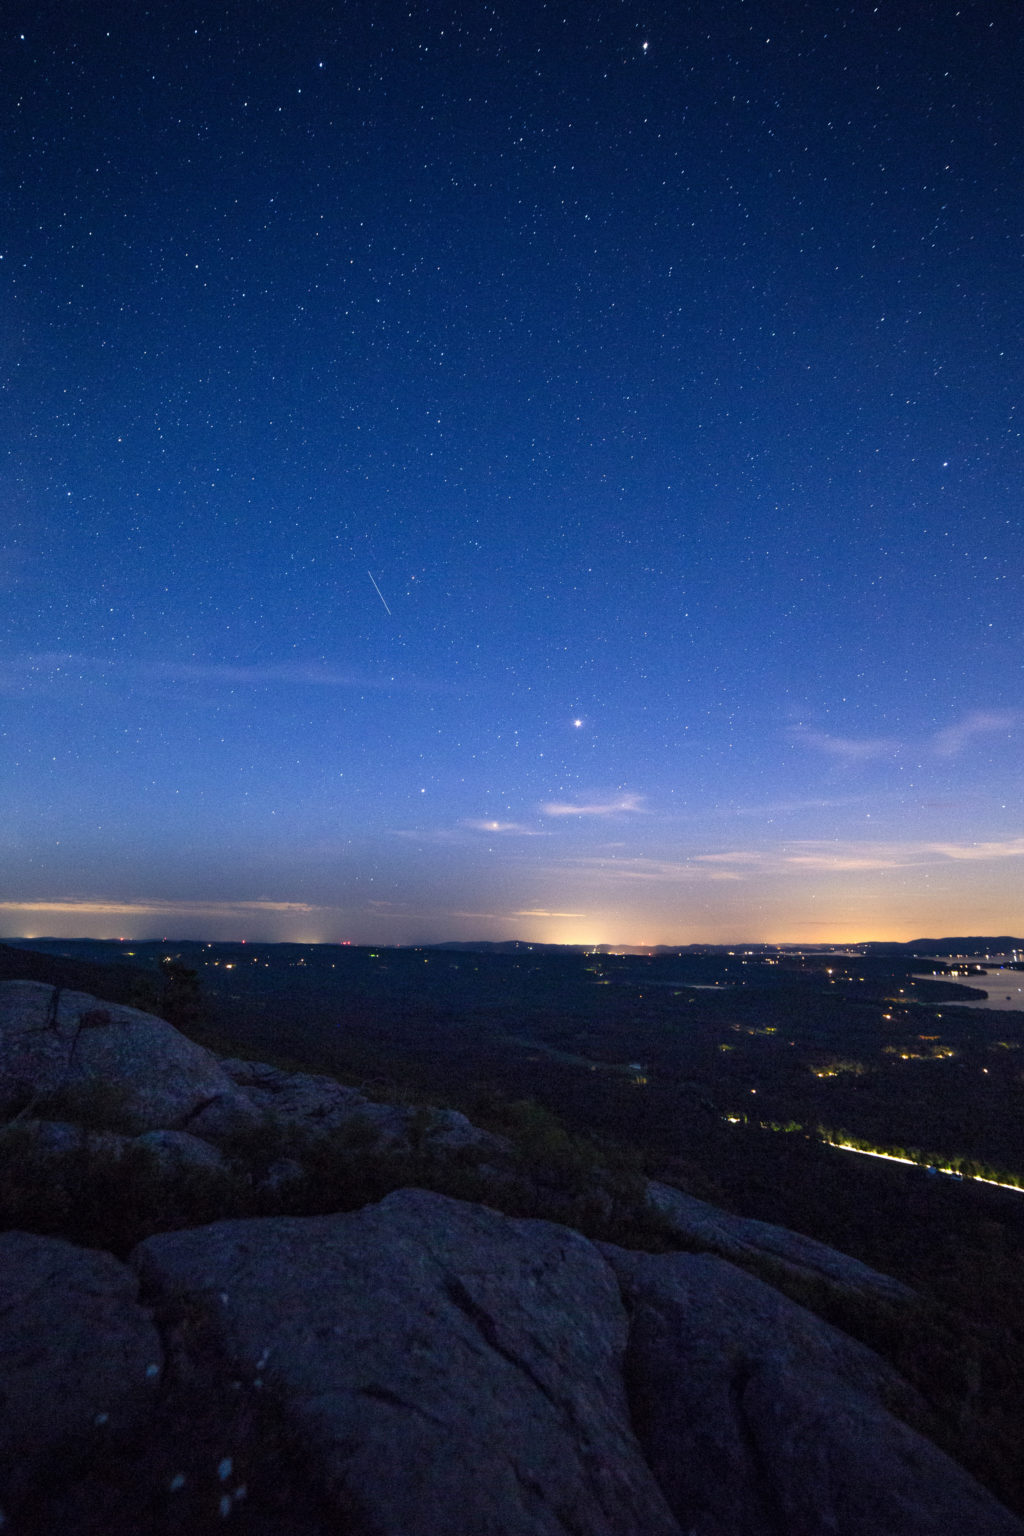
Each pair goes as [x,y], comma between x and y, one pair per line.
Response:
[423,1364]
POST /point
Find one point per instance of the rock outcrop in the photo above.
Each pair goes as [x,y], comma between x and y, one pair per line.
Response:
[66,1055]
[421,1364]
[317,1105]
[474,1357]
[64,1045]
[757,1417]
[428,1367]
[77,1354]
[762,1245]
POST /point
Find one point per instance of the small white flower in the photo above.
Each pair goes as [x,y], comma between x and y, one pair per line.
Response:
[102,1418]
[152,1371]
[240,1492]
[225,1507]
[176,1482]
[224,1469]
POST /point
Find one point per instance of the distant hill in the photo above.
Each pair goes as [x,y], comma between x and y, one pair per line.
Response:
[117,983]
[986,945]
[983,944]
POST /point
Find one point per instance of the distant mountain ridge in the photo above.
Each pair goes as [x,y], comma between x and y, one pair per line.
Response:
[978,944]
[990,944]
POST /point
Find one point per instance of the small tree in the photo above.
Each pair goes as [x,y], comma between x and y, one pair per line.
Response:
[180,1004]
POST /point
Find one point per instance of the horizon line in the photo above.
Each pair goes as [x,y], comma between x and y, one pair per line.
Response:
[795,944]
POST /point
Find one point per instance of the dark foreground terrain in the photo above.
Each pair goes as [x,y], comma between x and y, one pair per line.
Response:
[722,1075]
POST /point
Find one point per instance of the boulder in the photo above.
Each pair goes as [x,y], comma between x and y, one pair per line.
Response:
[316,1105]
[765,1246]
[79,1358]
[450,1371]
[178,1152]
[306,1096]
[312,1104]
[47,1143]
[68,1047]
[757,1417]
[53,1144]
[448,1130]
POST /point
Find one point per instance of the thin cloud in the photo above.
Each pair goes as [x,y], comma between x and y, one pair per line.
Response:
[94,906]
[626,804]
[952,741]
[799,857]
[1011,848]
[479,824]
[493,917]
[287,674]
[542,912]
[727,858]
[641,869]
[296,673]
[845,861]
[44,670]
[848,749]
[948,742]
[855,857]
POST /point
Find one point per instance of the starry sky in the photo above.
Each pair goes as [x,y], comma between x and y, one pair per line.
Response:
[489,470]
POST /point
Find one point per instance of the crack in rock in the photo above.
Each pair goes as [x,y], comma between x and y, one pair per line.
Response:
[488,1331]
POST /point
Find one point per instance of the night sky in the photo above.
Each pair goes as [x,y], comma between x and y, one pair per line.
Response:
[511,470]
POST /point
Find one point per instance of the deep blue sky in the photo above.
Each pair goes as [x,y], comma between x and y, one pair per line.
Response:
[661,365]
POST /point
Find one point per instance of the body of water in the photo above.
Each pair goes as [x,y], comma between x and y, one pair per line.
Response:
[1003,989]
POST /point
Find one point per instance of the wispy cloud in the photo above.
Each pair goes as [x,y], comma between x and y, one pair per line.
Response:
[480,824]
[952,741]
[295,673]
[624,805]
[395,908]
[54,668]
[639,868]
[736,857]
[98,906]
[1009,848]
[803,855]
[848,749]
[798,857]
[543,912]
[826,860]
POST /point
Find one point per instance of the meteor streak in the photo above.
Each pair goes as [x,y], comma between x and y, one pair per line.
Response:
[379,593]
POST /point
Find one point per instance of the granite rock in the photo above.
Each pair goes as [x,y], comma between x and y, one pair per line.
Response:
[760,1243]
[451,1371]
[758,1417]
[79,1357]
[67,1045]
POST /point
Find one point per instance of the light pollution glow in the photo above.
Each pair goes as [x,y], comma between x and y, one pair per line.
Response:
[807,892]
